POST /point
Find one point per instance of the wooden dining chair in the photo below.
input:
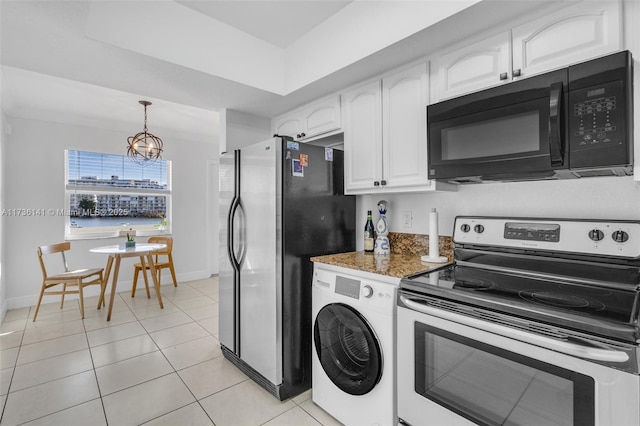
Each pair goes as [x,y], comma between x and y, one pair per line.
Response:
[77,278]
[162,259]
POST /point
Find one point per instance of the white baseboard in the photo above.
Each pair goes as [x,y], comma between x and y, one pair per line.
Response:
[189,276]
[91,291]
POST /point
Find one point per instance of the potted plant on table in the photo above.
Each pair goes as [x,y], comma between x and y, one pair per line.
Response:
[131,241]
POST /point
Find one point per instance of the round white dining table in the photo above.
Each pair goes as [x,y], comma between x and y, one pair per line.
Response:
[117,252]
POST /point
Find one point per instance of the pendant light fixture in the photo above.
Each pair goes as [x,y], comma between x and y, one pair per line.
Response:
[144,148]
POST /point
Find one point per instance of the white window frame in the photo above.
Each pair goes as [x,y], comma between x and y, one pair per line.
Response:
[140,230]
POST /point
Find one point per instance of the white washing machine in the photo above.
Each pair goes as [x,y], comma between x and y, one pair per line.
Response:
[353,360]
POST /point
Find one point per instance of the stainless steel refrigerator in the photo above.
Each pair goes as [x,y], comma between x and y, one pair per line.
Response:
[281,203]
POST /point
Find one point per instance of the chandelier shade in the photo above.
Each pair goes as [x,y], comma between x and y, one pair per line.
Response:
[144,148]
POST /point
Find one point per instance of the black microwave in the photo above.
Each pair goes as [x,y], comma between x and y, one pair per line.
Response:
[569,123]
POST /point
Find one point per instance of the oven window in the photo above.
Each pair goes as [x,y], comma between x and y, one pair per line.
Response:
[492,386]
[508,135]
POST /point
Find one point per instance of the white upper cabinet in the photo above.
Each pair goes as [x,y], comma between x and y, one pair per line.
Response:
[363,137]
[288,125]
[583,31]
[575,33]
[310,121]
[404,124]
[385,139]
[321,117]
[477,66]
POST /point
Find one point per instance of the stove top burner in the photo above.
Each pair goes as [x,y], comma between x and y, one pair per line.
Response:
[475,284]
[604,311]
[562,300]
[590,291]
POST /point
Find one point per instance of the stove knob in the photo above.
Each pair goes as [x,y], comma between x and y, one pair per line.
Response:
[596,235]
[367,291]
[465,227]
[479,229]
[620,236]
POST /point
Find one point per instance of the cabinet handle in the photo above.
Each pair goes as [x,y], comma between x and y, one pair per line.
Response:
[376,183]
[504,76]
[383,182]
[517,73]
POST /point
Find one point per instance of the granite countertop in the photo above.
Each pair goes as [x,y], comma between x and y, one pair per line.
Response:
[394,265]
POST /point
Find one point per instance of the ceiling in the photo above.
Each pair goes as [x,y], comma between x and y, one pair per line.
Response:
[277,22]
[89,62]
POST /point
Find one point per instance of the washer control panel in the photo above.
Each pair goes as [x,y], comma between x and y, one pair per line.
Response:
[605,238]
[347,287]
[355,290]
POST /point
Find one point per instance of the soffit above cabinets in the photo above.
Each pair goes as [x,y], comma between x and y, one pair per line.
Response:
[159,56]
[183,36]
[30,95]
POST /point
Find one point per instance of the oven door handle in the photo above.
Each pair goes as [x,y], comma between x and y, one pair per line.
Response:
[575,349]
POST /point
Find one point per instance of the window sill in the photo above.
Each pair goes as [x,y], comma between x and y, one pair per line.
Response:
[100,235]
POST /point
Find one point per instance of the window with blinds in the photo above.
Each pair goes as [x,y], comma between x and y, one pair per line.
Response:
[106,194]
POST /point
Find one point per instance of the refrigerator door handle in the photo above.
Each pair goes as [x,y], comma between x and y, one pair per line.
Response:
[233,259]
[231,216]
[231,234]
[235,265]
[242,240]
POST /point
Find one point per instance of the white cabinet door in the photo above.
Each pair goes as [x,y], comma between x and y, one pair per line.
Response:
[310,121]
[404,141]
[288,125]
[321,117]
[473,67]
[363,137]
[573,34]
[579,32]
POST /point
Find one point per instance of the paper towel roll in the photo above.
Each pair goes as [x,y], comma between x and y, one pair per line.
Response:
[434,246]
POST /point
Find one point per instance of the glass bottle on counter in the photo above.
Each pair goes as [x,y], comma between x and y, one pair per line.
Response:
[369,234]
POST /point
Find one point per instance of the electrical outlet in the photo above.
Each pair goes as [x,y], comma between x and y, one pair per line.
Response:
[406,219]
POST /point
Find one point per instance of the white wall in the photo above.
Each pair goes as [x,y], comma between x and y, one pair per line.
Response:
[213,212]
[34,178]
[586,198]
[3,289]
[239,129]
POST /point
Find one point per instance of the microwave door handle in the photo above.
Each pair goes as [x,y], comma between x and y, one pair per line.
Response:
[556,150]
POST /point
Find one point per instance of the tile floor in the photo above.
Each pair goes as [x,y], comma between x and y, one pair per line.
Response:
[147,366]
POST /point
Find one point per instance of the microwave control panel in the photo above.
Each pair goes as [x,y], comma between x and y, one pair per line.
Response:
[597,116]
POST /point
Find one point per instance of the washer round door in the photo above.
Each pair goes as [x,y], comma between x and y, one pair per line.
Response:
[348,349]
